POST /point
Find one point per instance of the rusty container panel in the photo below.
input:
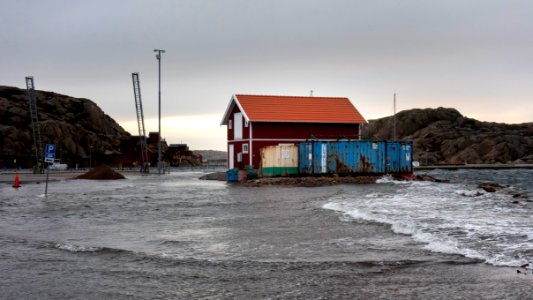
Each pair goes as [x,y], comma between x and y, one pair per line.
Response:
[279,160]
[356,157]
[342,157]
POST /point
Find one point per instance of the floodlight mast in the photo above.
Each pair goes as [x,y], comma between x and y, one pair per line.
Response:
[394,120]
[158,57]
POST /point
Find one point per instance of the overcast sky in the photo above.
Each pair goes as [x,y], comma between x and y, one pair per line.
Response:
[476,56]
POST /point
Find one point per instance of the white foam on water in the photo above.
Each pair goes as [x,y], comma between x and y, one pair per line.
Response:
[448,218]
[76,248]
[388,179]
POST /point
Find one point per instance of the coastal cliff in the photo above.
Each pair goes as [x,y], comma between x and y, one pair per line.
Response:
[81,129]
[445,136]
[77,126]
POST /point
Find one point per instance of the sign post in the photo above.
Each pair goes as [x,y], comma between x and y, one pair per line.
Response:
[49,157]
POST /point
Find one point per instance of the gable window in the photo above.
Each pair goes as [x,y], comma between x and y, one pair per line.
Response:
[230,123]
[244,148]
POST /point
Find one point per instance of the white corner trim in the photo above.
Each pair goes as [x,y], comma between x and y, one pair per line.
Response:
[226,116]
[240,108]
[233,101]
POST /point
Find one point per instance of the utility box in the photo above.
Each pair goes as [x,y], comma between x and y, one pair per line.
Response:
[232,175]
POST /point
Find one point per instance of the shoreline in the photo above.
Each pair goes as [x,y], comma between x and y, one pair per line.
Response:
[474,166]
[37,178]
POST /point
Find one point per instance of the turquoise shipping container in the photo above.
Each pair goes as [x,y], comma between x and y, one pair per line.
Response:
[354,157]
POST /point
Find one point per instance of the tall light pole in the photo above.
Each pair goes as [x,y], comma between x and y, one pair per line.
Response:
[394,119]
[158,56]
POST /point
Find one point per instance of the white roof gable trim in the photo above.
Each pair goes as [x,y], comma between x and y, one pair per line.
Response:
[234,101]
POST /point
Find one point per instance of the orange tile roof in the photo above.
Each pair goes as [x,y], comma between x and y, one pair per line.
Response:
[265,108]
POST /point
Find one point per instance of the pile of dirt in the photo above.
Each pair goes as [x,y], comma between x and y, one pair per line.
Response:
[102,172]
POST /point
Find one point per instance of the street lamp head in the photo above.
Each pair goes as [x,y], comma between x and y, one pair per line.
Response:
[158,55]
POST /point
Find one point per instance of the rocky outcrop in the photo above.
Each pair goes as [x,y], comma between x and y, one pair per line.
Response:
[444,136]
[77,126]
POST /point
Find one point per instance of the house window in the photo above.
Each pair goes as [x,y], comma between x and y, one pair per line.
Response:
[244,148]
[230,124]
[245,123]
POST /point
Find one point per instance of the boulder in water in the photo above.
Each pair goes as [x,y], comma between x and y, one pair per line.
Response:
[490,187]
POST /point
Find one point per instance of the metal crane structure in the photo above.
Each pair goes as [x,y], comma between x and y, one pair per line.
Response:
[36,128]
[140,122]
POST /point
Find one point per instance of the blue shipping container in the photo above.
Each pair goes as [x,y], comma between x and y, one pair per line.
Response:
[354,157]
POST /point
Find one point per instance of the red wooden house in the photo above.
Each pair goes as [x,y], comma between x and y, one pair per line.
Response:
[256,121]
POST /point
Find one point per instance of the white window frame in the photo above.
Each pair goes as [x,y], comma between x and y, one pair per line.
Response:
[245,148]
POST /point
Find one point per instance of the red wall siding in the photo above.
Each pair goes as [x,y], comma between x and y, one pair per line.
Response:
[245,130]
[283,133]
[305,130]
[237,148]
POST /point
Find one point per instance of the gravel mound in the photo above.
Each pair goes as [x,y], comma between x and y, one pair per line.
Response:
[102,172]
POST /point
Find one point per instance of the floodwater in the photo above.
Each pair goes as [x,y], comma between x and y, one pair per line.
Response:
[176,237]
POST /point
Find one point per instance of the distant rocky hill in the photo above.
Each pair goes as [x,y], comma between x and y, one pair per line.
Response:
[212,155]
[77,126]
[444,136]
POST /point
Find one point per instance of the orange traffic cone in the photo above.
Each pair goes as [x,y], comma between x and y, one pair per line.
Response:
[17,181]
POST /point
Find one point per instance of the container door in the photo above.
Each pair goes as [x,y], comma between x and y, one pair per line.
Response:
[317,157]
[324,158]
[305,158]
[393,157]
[405,158]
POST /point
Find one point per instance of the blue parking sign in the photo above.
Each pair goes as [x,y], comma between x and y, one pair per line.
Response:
[50,153]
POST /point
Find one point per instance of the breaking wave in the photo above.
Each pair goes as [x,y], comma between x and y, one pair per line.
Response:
[88,249]
[448,218]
